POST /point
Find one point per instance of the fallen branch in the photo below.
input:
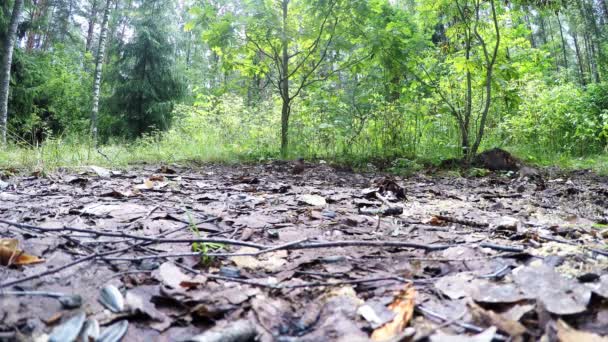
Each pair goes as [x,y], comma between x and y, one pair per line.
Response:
[61,268]
[154,240]
[463,221]
[496,247]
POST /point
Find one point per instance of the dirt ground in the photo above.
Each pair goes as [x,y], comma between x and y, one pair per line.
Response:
[302,252]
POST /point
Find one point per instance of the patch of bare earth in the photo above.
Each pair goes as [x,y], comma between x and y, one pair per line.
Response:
[302,252]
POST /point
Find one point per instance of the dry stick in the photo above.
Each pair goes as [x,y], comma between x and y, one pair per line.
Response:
[463,222]
[312,284]
[75,262]
[189,254]
[398,244]
[262,248]
[136,237]
[61,268]
[501,248]
[285,246]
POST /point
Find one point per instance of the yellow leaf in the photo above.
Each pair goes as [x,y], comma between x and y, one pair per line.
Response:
[10,254]
[403,307]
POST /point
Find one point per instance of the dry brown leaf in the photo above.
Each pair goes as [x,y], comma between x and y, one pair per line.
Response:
[157,178]
[146,185]
[403,307]
[490,318]
[10,254]
[436,221]
[171,276]
[566,333]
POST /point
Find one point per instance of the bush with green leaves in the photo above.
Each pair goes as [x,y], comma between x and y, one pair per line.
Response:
[49,95]
[558,119]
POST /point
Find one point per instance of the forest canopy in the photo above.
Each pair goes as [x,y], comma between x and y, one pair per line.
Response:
[352,79]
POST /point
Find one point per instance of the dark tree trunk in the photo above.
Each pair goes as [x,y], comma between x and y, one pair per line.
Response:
[579,59]
[7,61]
[91,29]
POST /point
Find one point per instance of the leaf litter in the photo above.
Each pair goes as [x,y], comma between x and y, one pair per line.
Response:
[302,252]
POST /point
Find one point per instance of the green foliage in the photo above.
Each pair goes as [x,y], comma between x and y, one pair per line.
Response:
[204,248]
[559,119]
[49,95]
[148,84]
[389,82]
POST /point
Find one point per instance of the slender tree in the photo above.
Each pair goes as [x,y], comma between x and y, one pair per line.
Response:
[91,26]
[98,71]
[5,71]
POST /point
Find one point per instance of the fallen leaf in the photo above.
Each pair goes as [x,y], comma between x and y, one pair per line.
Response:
[516,312]
[125,212]
[100,171]
[156,178]
[146,185]
[489,318]
[376,314]
[600,287]
[560,295]
[565,333]
[10,254]
[270,262]
[171,275]
[314,200]
[455,286]
[436,221]
[140,300]
[485,336]
[486,291]
[403,307]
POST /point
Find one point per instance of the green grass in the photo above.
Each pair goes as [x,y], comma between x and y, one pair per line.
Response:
[212,148]
[598,163]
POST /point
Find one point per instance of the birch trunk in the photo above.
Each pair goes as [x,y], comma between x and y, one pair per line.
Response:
[7,61]
[98,70]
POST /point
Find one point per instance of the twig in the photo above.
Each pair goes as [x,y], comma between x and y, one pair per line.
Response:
[304,285]
[136,237]
[397,244]
[463,221]
[501,248]
[77,261]
[289,245]
[297,245]
[119,274]
[61,268]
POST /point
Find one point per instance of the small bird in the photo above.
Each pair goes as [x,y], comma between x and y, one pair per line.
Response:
[299,166]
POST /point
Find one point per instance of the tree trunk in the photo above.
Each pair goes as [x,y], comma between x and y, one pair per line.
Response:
[91,29]
[529,27]
[7,61]
[98,71]
[604,5]
[561,33]
[579,58]
[284,84]
[490,63]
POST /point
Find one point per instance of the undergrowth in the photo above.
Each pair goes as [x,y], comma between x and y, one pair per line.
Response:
[173,149]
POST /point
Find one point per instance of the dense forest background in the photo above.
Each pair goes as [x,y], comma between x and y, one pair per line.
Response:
[403,80]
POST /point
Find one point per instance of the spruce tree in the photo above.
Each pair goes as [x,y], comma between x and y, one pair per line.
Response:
[149,83]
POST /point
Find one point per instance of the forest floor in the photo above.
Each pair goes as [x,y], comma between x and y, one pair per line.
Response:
[303,253]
